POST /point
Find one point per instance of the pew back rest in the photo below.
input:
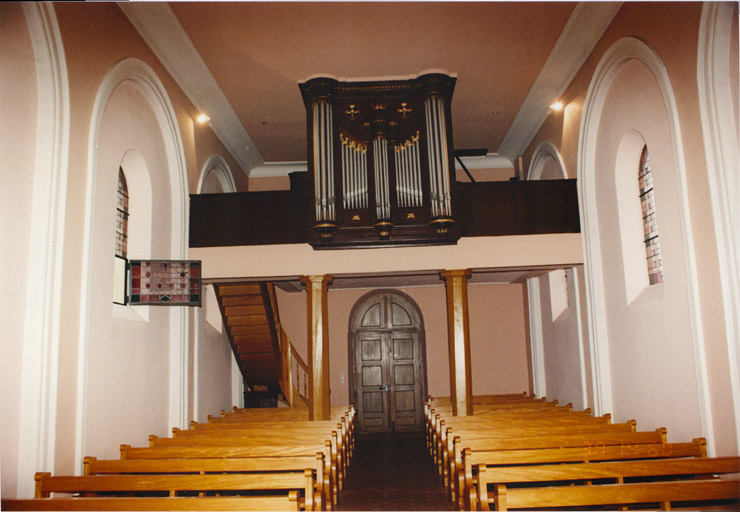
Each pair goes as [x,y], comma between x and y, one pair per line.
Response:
[242,503]
[589,439]
[696,448]
[618,494]
[93,466]
[273,480]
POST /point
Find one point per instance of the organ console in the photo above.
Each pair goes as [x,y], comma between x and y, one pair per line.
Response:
[380,160]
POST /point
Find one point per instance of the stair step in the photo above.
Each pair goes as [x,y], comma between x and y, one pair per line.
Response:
[239,289]
[242,300]
[263,378]
[245,330]
[247,320]
[245,310]
[250,346]
[245,315]
[253,338]
[268,363]
[260,357]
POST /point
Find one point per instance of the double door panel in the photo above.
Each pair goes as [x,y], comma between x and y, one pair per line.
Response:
[389,380]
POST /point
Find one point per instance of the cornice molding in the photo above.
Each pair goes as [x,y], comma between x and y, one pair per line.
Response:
[583,30]
[273,169]
[160,29]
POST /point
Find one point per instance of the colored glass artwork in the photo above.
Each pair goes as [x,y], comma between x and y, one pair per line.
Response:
[122,216]
[649,221]
[155,282]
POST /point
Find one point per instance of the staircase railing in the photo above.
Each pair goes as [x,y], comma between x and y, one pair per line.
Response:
[294,378]
[294,371]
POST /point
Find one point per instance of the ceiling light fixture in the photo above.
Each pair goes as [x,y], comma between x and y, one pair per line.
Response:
[202,118]
[557,106]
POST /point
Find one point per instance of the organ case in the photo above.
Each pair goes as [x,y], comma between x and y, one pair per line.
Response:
[380,161]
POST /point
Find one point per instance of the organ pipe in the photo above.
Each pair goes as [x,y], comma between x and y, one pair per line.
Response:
[439,168]
[388,144]
[323,166]
[408,173]
[382,185]
[354,169]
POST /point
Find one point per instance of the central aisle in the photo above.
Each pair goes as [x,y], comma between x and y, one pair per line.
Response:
[393,472]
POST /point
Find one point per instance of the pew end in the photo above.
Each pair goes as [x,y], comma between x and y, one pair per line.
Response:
[86,461]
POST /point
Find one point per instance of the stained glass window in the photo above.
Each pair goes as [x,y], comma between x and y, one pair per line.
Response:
[156,282]
[122,216]
[649,220]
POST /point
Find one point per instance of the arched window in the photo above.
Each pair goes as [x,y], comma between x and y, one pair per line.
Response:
[122,216]
[120,260]
[649,221]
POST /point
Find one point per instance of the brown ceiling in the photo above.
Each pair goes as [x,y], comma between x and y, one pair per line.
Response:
[257,53]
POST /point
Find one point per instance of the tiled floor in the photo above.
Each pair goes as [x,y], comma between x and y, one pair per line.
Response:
[393,472]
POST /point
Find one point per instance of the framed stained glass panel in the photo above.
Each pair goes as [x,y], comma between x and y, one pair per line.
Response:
[164,283]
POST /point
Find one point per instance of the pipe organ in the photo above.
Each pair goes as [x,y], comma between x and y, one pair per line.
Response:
[380,161]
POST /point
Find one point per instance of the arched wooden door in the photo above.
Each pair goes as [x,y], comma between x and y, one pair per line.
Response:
[387,362]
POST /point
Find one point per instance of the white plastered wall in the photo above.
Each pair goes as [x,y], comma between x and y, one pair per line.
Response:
[126,340]
[558,361]
[35,147]
[18,89]
[643,351]
[132,115]
[212,378]
[717,73]
[214,357]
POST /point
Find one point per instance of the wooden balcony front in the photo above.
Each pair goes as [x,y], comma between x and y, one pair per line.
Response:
[493,208]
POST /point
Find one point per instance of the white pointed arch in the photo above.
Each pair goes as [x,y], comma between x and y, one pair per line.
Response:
[143,76]
[217,167]
[612,61]
[723,154]
[42,318]
[541,155]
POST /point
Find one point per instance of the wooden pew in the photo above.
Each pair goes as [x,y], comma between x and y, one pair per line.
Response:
[266,437]
[331,489]
[497,412]
[120,485]
[345,440]
[562,441]
[270,414]
[445,451]
[344,415]
[525,412]
[621,494]
[514,422]
[225,462]
[295,463]
[437,403]
[482,407]
[445,400]
[245,503]
[472,460]
[589,473]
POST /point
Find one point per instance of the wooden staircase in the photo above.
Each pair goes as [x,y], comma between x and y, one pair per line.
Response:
[250,317]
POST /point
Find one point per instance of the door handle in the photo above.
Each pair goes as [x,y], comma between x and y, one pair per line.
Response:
[384,388]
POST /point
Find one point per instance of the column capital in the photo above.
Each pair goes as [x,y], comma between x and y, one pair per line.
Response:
[456,273]
[326,279]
